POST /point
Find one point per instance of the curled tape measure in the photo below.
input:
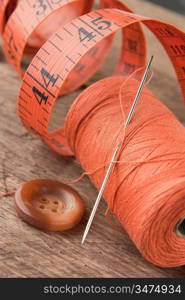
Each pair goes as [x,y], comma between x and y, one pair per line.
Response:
[22,26]
[74,52]
[27,18]
[56,62]
[6,8]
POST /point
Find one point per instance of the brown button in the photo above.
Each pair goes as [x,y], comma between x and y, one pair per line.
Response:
[49,205]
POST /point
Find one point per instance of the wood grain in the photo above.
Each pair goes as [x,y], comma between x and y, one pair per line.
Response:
[28,252]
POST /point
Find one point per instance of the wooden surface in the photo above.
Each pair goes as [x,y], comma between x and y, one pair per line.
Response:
[28,252]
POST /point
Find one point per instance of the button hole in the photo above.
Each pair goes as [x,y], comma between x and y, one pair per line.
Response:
[42,206]
[44,199]
[54,210]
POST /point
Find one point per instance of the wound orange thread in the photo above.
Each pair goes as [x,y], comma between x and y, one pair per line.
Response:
[148,198]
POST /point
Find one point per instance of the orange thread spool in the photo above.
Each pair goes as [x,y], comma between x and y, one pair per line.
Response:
[146,189]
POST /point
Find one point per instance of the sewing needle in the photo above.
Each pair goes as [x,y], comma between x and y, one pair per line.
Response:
[116,152]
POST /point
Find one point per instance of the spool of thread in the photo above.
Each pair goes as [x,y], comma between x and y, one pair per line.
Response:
[146,190]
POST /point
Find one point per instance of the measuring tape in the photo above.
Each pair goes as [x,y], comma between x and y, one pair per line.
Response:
[6,9]
[27,19]
[51,70]
[74,52]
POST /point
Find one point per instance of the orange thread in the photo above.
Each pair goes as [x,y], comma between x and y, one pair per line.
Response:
[147,198]
[7,194]
[134,74]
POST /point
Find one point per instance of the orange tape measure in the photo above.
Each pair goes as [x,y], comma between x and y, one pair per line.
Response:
[6,9]
[27,21]
[57,63]
[75,51]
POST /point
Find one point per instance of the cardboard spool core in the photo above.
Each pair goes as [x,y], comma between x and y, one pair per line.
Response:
[180,228]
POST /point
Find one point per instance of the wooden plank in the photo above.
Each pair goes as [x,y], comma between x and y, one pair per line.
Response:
[28,252]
